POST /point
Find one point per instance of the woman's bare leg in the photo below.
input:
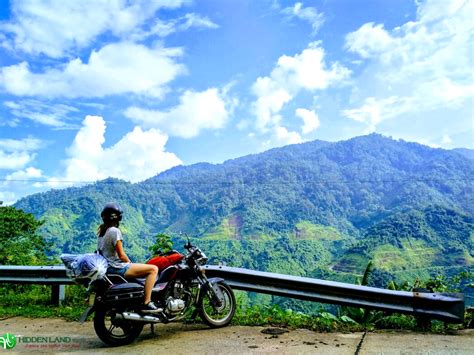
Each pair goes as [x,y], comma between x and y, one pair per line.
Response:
[144,270]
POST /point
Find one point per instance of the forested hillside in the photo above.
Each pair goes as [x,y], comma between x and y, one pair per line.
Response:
[315,208]
[414,244]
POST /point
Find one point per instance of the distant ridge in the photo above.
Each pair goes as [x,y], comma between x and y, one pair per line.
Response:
[468,153]
[315,208]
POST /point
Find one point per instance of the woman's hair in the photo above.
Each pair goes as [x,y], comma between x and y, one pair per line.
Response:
[106,225]
[111,217]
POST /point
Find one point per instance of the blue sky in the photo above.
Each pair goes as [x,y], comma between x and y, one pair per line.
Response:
[97,88]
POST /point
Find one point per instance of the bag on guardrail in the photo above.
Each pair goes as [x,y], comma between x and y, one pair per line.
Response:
[85,268]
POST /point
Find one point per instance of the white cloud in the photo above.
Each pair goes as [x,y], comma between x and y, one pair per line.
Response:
[8,120]
[196,21]
[373,111]
[117,68]
[55,27]
[308,70]
[310,120]
[271,98]
[137,156]
[27,144]
[162,28]
[308,14]
[421,66]
[21,182]
[16,154]
[25,174]
[435,10]
[279,136]
[305,71]
[7,197]
[286,137]
[369,40]
[196,111]
[446,140]
[50,115]
[15,159]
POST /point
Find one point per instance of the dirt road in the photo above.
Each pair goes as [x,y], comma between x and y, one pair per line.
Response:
[59,336]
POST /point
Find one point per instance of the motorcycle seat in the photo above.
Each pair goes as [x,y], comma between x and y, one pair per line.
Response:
[116,277]
[140,281]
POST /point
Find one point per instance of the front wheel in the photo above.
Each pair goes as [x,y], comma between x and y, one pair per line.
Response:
[115,332]
[218,315]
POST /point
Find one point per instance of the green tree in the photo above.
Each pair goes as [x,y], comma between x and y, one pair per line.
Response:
[20,244]
[163,244]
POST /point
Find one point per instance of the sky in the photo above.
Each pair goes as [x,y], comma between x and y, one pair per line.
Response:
[92,89]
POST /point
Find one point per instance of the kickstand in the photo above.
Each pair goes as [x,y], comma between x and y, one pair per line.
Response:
[152,326]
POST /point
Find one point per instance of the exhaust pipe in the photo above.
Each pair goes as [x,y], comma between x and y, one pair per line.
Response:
[137,317]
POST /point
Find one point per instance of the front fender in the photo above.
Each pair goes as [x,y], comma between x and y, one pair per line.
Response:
[215,280]
[212,281]
[217,292]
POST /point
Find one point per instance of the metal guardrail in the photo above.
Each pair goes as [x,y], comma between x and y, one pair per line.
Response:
[41,275]
[46,275]
[448,307]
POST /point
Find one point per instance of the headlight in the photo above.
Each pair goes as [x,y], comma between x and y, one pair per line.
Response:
[202,260]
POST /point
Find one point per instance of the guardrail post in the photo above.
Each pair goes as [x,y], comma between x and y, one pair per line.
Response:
[58,294]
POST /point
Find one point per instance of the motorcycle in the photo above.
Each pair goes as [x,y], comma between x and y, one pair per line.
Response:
[180,288]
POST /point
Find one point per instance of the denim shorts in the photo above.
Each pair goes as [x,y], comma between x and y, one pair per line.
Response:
[118,271]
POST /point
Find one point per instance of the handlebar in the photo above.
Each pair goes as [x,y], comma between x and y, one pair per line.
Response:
[188,245]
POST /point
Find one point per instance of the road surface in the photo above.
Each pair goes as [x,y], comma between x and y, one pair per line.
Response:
[60,336]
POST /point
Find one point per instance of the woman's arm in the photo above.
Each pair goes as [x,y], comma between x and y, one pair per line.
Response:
[120,252]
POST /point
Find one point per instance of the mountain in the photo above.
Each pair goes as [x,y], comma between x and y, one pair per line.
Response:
[404,244]
[306,209]
[468,153]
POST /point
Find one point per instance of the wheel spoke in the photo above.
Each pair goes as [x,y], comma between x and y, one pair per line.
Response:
[105,325]
[220,313]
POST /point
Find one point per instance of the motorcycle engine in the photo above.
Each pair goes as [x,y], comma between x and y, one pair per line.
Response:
[178,290]
[174,303]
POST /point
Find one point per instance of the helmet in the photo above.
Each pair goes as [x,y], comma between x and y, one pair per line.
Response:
[111,213]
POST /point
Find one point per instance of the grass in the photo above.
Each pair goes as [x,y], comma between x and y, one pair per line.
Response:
[308,230]
[273,315]
[351,263]
[415,254]
[322,321]
[227,230]
[33,301]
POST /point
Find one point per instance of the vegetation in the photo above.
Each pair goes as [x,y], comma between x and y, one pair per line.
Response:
[163,244]
[415,240]
[20,242]
[32,301]
[35,301]
[316,209]
[348,186]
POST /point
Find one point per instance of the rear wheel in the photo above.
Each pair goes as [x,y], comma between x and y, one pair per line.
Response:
[115,332]
[218,315]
